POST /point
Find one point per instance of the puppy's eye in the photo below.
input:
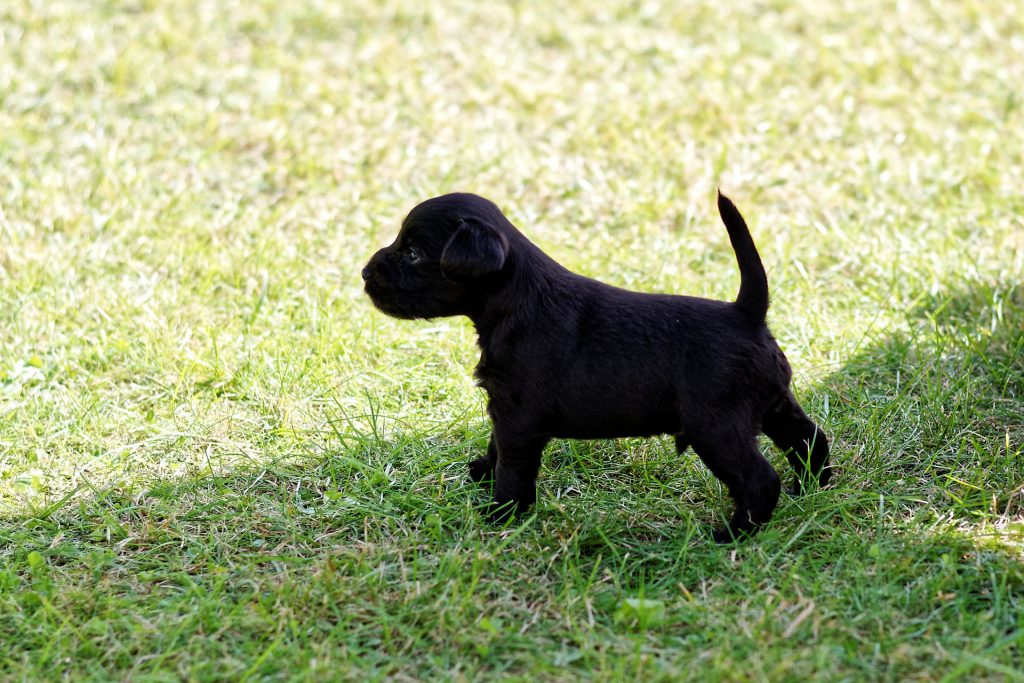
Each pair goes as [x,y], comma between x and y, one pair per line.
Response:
[412,254]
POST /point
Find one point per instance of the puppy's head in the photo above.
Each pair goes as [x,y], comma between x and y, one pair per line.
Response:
[449,251]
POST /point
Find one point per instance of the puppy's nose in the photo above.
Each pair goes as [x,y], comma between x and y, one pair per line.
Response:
[366,273]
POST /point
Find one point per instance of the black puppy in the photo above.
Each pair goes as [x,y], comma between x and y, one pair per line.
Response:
[569,357]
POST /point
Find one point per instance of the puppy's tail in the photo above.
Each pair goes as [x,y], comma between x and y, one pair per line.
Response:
[753,297]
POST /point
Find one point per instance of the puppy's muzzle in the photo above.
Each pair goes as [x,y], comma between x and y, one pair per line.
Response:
[372,268]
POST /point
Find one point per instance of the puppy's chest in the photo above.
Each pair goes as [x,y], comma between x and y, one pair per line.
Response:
[495,374]
[486,371]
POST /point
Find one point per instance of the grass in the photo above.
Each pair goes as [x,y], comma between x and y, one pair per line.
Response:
[217,462]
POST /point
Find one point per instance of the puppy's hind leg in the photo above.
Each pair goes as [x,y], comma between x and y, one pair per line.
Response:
[515,475]
[803,442]
[751,480]
[481,470]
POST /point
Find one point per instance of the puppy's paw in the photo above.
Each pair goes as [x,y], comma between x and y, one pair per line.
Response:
[481,470]
[723,535]
[731,534]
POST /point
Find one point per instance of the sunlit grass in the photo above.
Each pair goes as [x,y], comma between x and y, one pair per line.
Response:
[217,461]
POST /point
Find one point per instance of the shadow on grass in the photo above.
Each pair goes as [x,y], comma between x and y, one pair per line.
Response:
[933,417]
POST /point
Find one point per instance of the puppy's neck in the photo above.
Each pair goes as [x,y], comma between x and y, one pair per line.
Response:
[526,290]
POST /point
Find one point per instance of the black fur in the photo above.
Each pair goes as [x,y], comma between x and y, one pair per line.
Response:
[564,356]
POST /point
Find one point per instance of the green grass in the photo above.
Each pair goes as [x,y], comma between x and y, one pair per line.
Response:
[218,462]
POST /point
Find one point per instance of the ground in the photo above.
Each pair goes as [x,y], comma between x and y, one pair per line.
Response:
[218,462]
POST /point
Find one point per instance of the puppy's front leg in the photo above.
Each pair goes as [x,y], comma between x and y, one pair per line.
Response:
[481,470]
[515,475]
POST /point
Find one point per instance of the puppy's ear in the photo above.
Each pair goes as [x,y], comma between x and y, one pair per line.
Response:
[474,250]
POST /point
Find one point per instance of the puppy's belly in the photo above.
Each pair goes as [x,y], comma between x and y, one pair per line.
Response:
[611,422]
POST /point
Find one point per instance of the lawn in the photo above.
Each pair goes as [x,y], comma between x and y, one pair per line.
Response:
[218,462]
